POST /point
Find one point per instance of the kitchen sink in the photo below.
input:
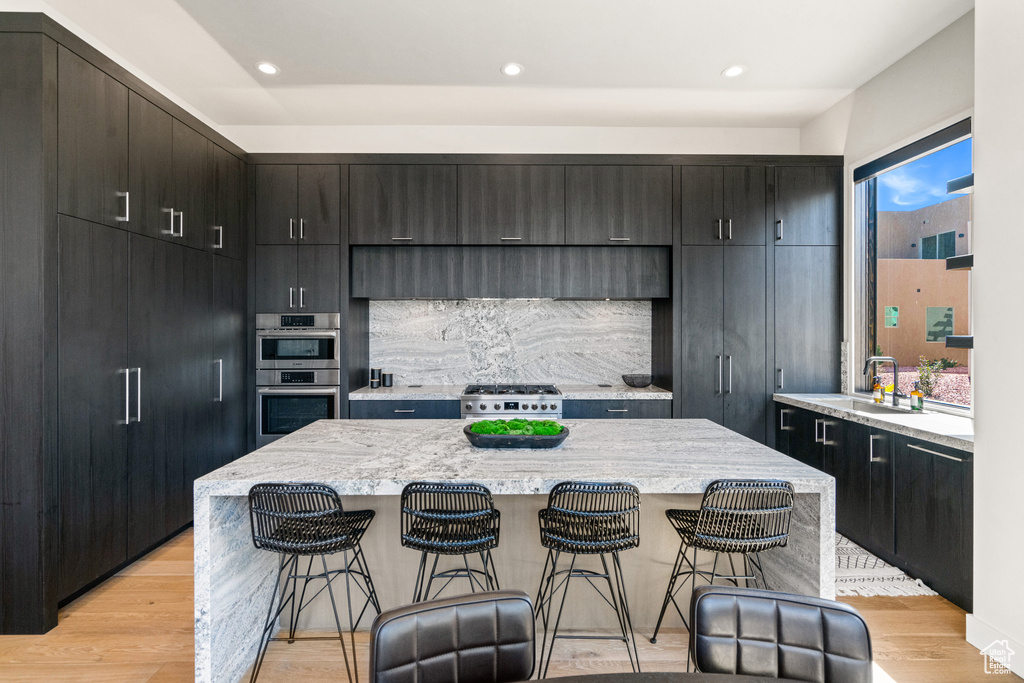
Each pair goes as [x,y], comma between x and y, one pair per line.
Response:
[870,407]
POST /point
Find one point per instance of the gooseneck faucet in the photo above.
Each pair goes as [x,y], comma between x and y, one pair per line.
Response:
[895,375]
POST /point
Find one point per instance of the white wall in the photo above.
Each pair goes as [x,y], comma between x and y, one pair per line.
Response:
[999,328]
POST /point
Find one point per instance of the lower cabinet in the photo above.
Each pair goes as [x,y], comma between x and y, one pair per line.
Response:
[404,410]
[908,501]
[579,410]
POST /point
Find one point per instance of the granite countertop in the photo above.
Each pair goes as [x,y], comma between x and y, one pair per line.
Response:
[954,431]
[379,457]
[452,392]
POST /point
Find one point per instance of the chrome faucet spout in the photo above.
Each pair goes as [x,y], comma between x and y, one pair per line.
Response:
[895,375]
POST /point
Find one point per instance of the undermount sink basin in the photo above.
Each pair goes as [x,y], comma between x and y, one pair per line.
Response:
[870,407]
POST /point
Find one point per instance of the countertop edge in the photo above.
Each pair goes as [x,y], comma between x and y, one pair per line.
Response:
[803,401]
[436,393]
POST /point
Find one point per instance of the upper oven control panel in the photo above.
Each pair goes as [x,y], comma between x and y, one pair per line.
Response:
[292,321]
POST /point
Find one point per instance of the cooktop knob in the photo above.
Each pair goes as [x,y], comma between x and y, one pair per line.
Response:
[526,407]
[469,406]
[554,407]
[543,406]
[483,406]
[534,406]
[497,406]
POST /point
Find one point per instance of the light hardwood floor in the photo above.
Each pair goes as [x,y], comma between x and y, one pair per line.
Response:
[137,626]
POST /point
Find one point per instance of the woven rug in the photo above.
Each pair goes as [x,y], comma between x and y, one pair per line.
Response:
[858,572]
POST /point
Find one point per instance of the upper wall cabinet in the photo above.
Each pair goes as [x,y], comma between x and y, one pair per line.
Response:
[808,205]
[229,195]
[403,204]
[723,205]
[92,142]
[300,204]
[170,177]
[626,205]
[506,204]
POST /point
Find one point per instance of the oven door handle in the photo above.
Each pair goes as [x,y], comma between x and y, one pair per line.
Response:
[323,391]
[332,334]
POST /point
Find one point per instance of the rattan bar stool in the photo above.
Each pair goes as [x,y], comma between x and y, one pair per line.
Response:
[307,520]
[450,519]
[585,518]
[736,516]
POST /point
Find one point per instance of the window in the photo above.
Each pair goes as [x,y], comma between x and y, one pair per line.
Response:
[907,225]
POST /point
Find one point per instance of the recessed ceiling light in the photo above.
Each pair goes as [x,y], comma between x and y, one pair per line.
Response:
[512,69]
[734,71]
[267,68]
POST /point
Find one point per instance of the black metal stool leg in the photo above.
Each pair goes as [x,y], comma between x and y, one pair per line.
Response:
[627,619]
[677,567]
[541,587]
[558,618]
[268,623]
[418,588]
[337,621]
[302,597]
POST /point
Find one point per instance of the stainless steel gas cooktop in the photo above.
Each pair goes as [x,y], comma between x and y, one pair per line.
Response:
[534,401]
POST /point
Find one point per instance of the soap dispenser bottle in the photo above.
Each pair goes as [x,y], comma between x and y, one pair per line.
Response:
[917,397]
[877,390]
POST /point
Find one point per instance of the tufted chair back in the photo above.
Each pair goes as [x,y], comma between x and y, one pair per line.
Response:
[477,638]
[778,635]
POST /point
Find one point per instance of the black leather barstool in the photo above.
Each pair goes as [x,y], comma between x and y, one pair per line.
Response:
[743,516]
[307,520]
[450,519]
[585,518]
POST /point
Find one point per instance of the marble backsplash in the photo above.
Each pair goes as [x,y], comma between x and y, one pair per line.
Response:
[507,340]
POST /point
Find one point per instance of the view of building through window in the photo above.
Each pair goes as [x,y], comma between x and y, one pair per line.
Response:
[917,301]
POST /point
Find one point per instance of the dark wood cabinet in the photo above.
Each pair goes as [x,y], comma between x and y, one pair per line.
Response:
[403,204]
[620,205]
[228,235]
[796,435]
[808,305]
[404,410]
[150,170]
[511,204]
[92,142]
[228,331]
[722,300]
[808,205]
[616,409]
[300,204]
[303,279]
[193,185]
[723,205]
[934,517]
[94,406]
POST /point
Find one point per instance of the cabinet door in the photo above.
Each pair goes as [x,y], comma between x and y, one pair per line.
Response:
[228,238]
[92,141]
[744,375]
[193,185]
[150,180]
[157,440]
[277,192]
[851,466]
[702,205]
[808,205]
[511,205]
[881,533]
[702,302]
[934,518]
[93,361]
[807,319]
[404,410]
[403,204]
[622,409]
[276,279]
[743,204]
[626,205]
[319,204]
[804,445]
[229,344]
[319,279]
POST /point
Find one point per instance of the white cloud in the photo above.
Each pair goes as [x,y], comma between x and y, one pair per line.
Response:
[907,189]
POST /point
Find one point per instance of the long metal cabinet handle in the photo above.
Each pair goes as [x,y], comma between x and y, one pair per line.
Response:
[402,239]
[779,233]
[302,228]
[172,213]
[730,228]
[719,228]
[220,379]
[127,395]
[782,420]
[941,455]
[181,224]
[138,394]
[729,386]
[291,228]
[219,244]
[291,297]
[718,388]
[871,448]
[619,239]
[127,207]
[618,410]
[406,411]
[302,297]
[511,239]
[782,378]
[824,433]
[818,439]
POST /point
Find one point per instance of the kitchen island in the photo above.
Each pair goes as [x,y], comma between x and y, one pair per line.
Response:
[369,462]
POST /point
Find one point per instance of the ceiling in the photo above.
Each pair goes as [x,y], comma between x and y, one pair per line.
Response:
[631,63]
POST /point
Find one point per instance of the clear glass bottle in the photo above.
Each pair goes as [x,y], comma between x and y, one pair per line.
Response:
[917,397]
[877,390]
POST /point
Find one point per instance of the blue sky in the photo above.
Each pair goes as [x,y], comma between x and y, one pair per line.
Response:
[923,182]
